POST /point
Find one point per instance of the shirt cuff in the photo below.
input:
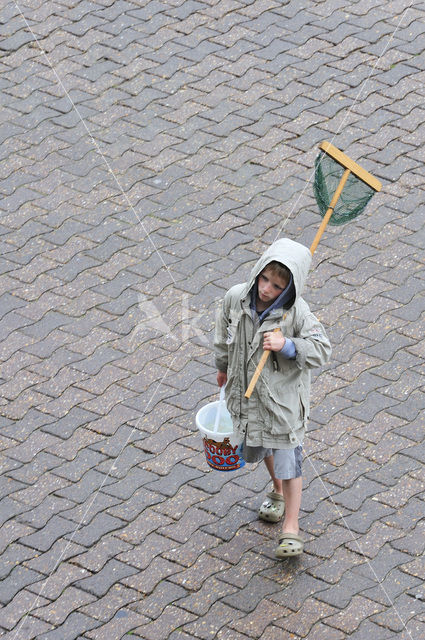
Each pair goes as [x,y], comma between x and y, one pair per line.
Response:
[288,350]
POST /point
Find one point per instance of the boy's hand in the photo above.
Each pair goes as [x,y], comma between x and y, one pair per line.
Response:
[221,378]
[273,341]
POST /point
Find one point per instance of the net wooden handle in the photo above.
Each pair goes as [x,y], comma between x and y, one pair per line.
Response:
[330,210]
[258,370]
[313,248]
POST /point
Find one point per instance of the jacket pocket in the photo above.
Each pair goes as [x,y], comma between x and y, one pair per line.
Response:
[304,404]
[283,405]
[232,327]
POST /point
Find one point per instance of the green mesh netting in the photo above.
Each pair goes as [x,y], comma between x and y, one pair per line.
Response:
[355,195]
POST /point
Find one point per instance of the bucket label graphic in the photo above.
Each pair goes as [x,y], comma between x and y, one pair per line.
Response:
[222,455]
[222,447]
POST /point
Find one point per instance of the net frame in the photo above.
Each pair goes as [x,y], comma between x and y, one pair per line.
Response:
[354,197]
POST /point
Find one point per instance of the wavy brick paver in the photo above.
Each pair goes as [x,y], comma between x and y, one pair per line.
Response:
[150,151]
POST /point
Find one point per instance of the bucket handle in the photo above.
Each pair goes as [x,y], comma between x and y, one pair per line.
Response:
[219,408]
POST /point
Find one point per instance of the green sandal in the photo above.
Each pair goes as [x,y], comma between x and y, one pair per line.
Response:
[289,545]
[272,508]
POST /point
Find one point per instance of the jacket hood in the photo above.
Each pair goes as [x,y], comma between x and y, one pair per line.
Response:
[295,256]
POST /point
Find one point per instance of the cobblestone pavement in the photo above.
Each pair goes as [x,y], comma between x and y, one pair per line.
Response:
[150,151]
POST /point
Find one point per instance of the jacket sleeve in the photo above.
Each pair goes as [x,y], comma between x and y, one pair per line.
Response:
[311,342]
[220,338]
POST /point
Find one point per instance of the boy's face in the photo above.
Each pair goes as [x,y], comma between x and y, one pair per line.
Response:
[270,286]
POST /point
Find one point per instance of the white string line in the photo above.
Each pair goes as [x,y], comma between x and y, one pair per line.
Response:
[34,605]
[363,85]
[308,457]
[96,146]
[168,368]
[368,562]
[171,276]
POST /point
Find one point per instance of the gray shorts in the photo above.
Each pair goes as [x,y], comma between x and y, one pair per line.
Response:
[287,462]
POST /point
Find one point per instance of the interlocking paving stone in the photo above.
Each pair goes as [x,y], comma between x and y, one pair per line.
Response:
[18,579]
[218,615]
[126,486]
[333,569]
[165,461]
[302,621]
[190,522]
[348,620]
[123,622]
[39,516]
[84,460]
[164,594]
[340,535]
[257,621]
[176,506]
[102,551]
[146,581]
[369,545]
[31,627]
[85,487]
[9,485]
[112,572]
[171,618]
[124,464]
[68,449]
[75,624]
[210,483]
[89,534]
[131,508]
[399,615]
[10,509]
[194,576]
[233,550]
[138,529]
[154,545]
[115,599]
[226,527]
[401,493]
[354,497]
[248,598]
[57,612]
[18,607]
[371,511]
[15,555]
[178,477]
[382,563]
[392,586]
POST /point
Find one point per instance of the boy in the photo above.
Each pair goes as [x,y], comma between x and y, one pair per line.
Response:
[272,422]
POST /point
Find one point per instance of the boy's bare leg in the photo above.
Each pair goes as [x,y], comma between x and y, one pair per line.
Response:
[292,490]
[277,483]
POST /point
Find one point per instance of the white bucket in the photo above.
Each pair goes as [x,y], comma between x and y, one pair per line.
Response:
[223,449]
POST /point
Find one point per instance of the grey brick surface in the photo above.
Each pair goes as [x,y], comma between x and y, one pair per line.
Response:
[100,583]
[208,114]
[249,597]
[88,534]
[55,529]
[17,580]
[75,624]
[39,516]
[86,486]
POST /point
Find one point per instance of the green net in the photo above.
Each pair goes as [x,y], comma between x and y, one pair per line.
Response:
[355,195]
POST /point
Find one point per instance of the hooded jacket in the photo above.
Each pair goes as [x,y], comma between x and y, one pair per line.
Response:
[276,415]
